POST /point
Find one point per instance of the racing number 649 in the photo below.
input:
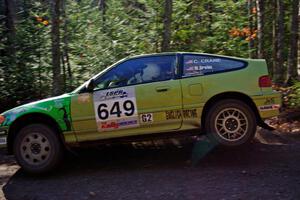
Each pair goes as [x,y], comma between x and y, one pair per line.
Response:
[127,108]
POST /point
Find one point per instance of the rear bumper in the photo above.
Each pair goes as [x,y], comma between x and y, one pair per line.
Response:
[3,136]
[268,105]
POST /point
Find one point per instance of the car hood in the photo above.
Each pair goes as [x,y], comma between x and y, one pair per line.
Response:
[48,105]
[34,103]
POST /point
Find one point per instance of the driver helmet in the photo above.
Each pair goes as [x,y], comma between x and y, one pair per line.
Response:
[151,72]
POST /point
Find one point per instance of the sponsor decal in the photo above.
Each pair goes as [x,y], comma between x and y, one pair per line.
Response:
[83,98]
[117,124]
[116,105]
[177,114]
[269,107]
[146,118]
[3,140]
[190,113]
[173,114]
[199,66]
[11,116]
[58,103]
[203,61]
[196,69]
[109,125]
[127,123]
[269,101]
[113,94]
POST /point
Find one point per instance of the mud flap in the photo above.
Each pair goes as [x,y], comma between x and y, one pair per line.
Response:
[262,124]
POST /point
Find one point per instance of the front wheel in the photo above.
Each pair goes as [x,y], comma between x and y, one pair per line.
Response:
[37,148]
[230,122]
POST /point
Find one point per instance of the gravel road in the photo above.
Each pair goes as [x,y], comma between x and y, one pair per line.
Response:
[269,168]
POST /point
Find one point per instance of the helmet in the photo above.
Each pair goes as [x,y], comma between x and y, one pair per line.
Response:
[151,72]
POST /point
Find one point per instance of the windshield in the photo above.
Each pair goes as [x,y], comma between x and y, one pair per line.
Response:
[78,89]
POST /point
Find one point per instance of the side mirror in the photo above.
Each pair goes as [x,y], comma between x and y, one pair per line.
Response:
[90,85]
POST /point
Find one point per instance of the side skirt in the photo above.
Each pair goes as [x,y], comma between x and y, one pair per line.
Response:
[138,138]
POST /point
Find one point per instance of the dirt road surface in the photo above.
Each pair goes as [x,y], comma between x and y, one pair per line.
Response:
[269,168]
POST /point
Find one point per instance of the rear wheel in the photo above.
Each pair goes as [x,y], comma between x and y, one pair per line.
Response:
[37,148]
[230,122]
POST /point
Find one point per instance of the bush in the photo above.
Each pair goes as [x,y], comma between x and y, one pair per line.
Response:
[294,96]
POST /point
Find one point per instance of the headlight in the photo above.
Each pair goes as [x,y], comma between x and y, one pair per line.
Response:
[2,119]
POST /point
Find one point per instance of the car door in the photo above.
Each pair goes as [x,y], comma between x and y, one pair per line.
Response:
[137,96]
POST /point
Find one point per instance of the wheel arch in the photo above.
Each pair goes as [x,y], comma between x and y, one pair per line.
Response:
[230,95]
[31,118]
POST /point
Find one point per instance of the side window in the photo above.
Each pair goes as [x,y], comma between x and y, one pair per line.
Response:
[200,65]
[138,70]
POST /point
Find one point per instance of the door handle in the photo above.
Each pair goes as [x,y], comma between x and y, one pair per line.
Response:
[162,89]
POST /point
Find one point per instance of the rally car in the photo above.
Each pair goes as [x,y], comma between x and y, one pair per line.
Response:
[160,94]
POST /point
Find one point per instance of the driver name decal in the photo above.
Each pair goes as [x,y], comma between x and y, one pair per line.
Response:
[115,109]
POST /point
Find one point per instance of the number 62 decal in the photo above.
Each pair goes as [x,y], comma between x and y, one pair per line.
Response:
[146,118]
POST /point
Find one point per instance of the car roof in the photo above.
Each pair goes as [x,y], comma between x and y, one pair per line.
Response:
[174,53]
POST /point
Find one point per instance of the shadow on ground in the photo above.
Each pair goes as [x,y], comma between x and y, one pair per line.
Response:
[258,171]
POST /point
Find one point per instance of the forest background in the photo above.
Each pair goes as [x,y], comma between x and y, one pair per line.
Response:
[49,47]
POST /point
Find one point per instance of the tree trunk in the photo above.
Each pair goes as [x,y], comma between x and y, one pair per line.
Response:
[55,39]
[40,76]
[209,8]
[298,42]
[10,13]
[68,80]
[102,8]
[70,76]
[9,52]
[274,39]
[279,67]
[250,21]
[64,76]
[167,20]
[260,28]
[292,59]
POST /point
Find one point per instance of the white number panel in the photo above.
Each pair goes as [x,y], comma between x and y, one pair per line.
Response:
[115,109]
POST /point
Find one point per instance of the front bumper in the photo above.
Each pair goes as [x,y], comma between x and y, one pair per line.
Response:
[3,136]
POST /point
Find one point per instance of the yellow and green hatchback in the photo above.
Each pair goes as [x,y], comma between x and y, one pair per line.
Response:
[158,95]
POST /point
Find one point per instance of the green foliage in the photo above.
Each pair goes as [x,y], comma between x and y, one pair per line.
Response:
[25,75]
[98,41]
[204,27]
[294,96]
[95,39]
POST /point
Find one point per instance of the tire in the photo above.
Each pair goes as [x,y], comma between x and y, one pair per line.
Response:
[37,149]
[230,122]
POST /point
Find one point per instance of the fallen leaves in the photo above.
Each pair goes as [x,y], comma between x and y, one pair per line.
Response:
[287,122]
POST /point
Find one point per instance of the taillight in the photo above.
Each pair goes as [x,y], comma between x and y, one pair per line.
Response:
[265,81]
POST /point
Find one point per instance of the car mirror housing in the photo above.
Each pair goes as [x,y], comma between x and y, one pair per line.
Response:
[90,86]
